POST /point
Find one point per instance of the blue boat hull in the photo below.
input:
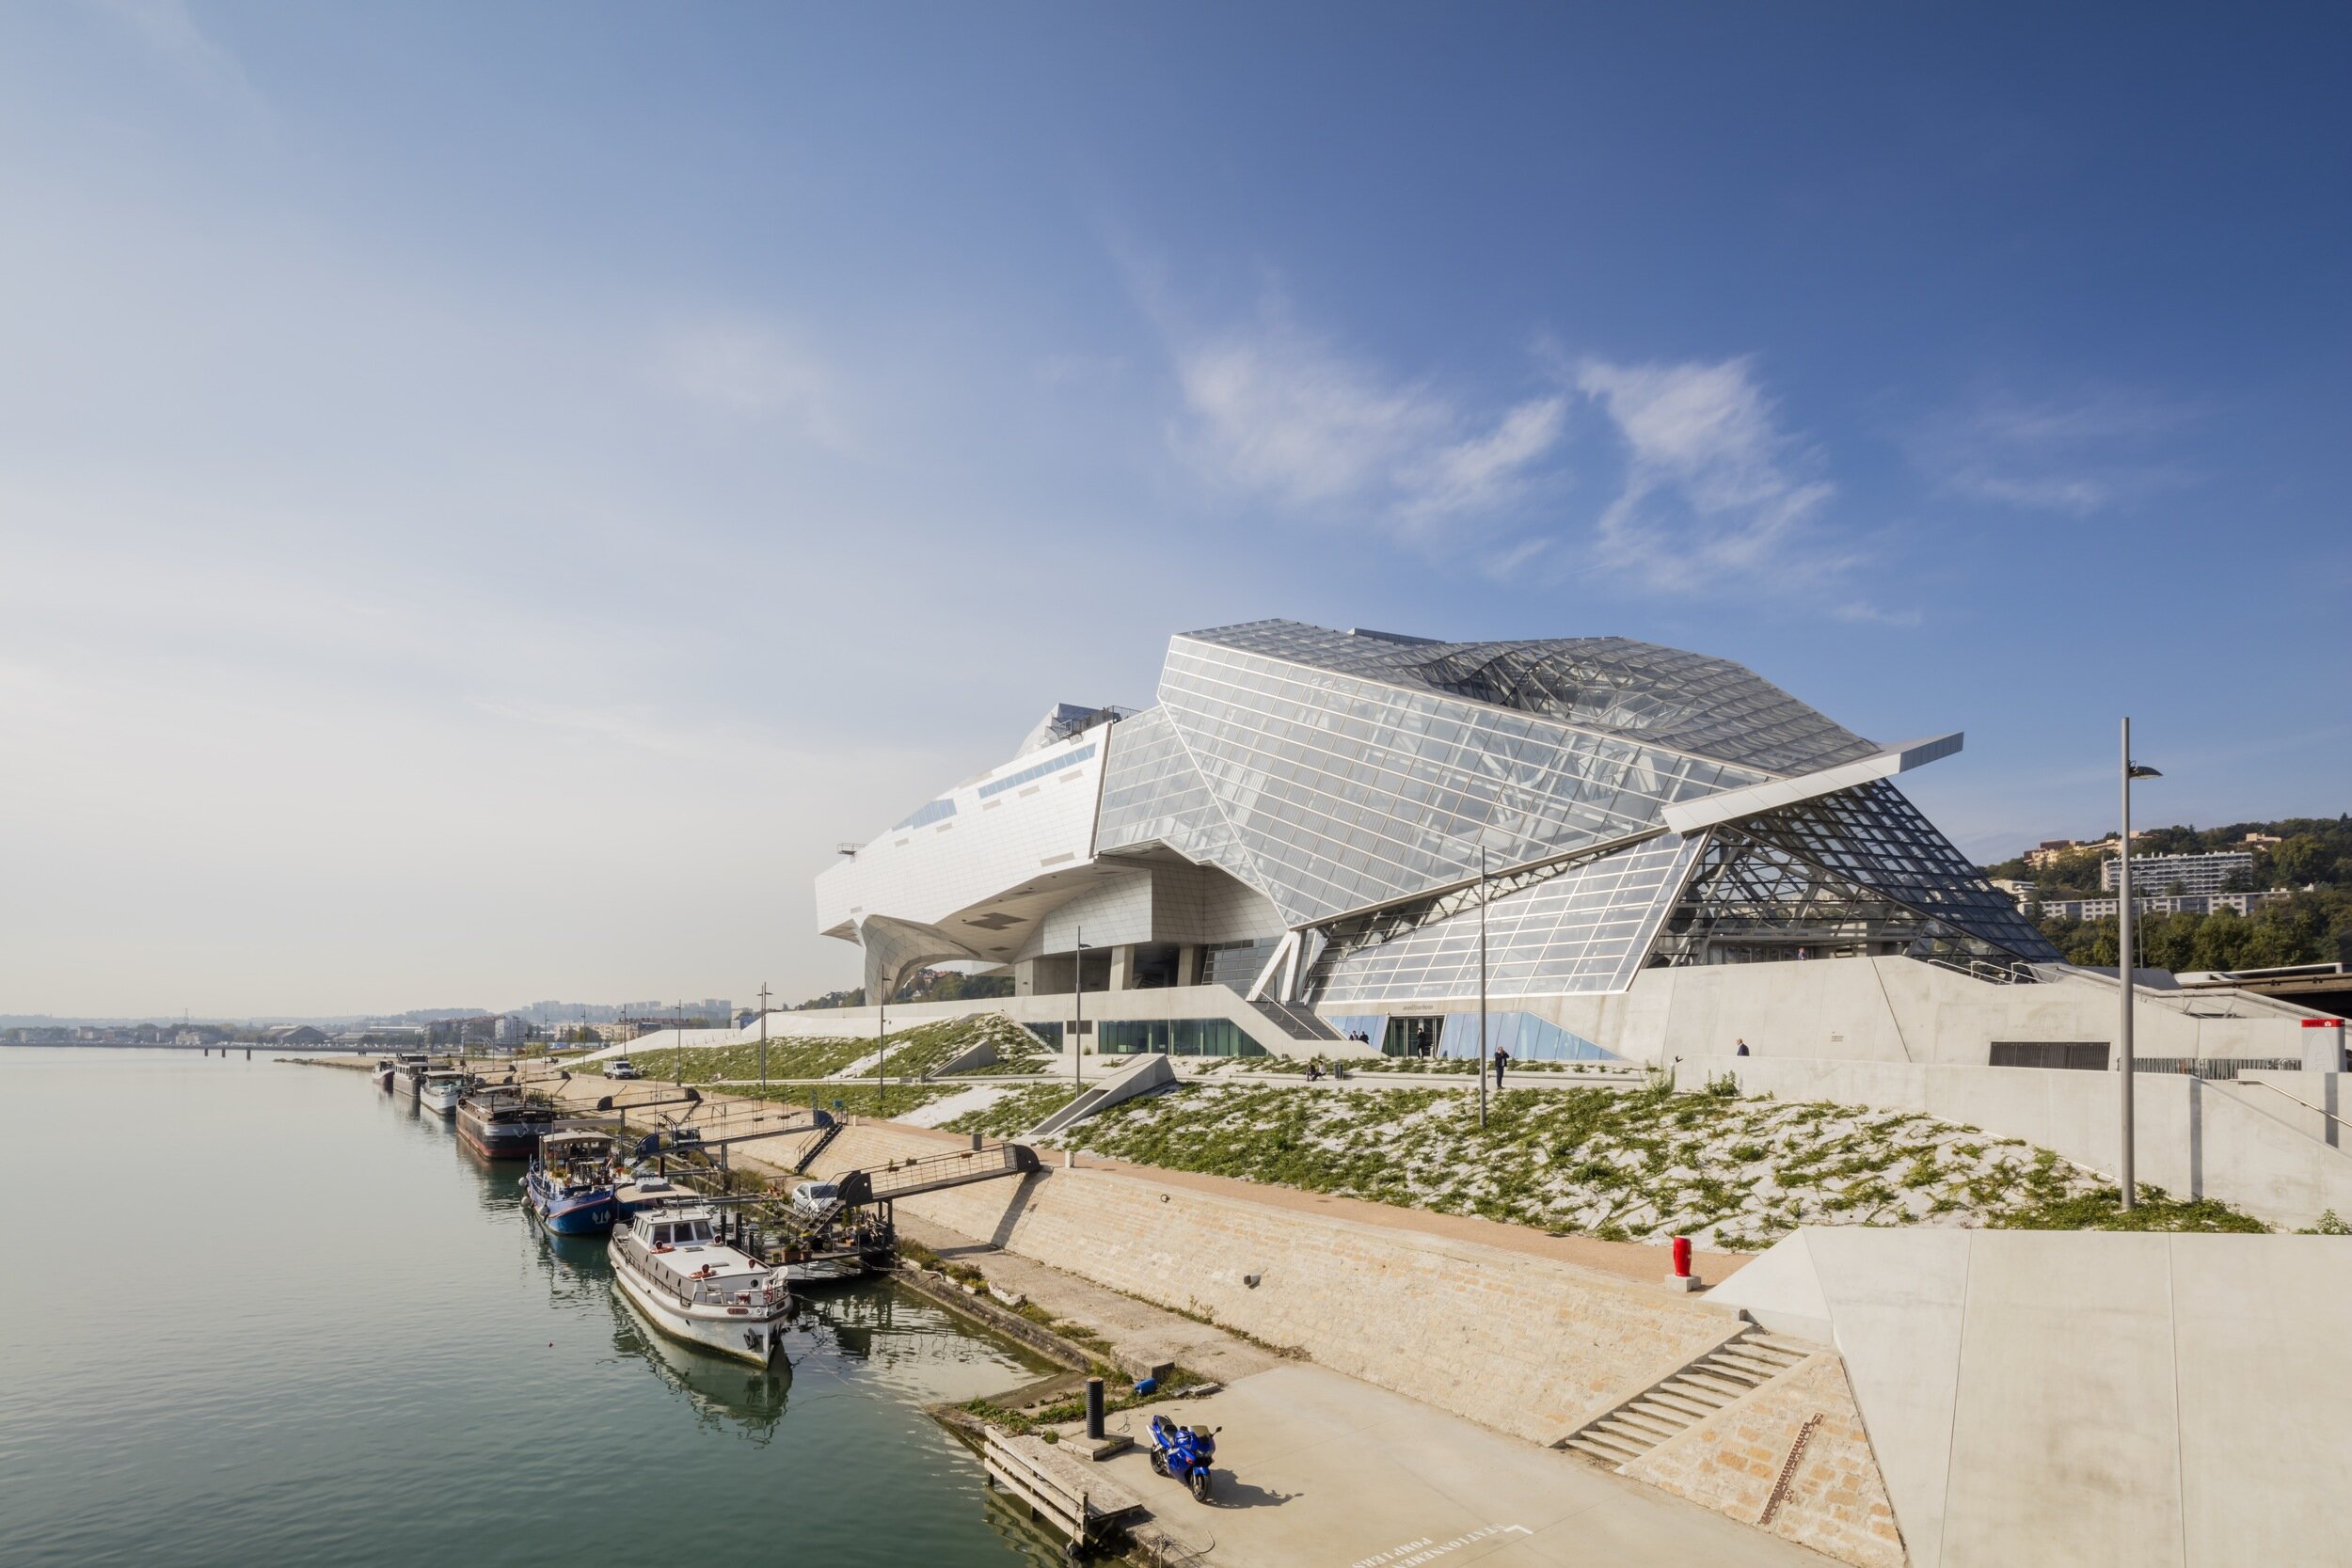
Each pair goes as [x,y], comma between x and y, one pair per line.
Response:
[591,1213]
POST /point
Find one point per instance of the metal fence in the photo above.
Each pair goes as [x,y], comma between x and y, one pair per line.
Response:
[2216,1069]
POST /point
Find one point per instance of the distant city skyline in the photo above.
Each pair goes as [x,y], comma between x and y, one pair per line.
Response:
[491,498]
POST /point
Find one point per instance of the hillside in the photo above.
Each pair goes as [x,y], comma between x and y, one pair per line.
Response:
[2312,861]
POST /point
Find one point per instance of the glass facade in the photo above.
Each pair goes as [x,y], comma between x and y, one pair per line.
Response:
[1352,779]
[1584,931]
[1337,792]
[1174,1037]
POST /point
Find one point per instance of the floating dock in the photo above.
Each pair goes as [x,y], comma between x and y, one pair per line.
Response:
[1061,1489]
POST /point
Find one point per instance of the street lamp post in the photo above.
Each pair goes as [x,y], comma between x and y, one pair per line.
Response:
[763,1038]
[1482,988]
[1078,1021]
[2123,962]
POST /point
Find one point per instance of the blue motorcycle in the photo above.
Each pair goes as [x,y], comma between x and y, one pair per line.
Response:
[1183,1452]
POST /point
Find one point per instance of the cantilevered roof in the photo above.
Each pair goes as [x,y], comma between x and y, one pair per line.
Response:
[1615,684]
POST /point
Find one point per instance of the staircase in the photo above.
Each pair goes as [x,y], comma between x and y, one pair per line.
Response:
[831,1130]
[1299,1023]
[1687,1398]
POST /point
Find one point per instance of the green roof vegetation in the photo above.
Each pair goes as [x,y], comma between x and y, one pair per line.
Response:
[1640,1164]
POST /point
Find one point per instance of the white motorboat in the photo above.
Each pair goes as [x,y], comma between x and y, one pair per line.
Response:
[670,1264]
[440,1090]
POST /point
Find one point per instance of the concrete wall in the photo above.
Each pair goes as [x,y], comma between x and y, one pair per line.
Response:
[2194,1139]
[2088,1397]
[1526,1345]
[1898,1009]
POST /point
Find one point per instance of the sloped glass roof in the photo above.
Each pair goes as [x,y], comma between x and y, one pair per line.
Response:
[1611,685]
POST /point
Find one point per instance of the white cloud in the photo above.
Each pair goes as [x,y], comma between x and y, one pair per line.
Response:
[1714,493]
[1278,411]
[169,30]
[2099,449]
[754,371]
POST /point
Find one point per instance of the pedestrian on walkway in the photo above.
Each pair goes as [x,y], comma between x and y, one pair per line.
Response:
[1503,1059]
[1743,1049]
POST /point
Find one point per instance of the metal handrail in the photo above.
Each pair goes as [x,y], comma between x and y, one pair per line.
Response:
[2256,1083]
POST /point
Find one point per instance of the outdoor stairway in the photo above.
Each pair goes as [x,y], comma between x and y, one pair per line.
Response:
[825,1135]
[1687,1398]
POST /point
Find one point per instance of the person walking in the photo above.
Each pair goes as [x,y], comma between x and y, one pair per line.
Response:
[1503,1059]
[1743,1048]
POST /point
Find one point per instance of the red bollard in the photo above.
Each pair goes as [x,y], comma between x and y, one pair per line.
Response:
[1682,1257]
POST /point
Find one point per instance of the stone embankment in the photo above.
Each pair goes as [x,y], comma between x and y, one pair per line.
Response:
[1520,1342]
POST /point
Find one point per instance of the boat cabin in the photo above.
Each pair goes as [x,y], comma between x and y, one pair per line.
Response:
[667,1232]
[577,1157]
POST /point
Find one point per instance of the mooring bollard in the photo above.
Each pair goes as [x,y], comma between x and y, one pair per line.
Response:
[1094,1408]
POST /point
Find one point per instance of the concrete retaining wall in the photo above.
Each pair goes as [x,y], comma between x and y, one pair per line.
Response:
[2088,1397]
[1523,1344]
[2193,1139]
[1898,1010]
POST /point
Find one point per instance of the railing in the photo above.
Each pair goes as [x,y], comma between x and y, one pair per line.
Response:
[2258,1084]
[2017,973]
[691,1291]
[2213,1070]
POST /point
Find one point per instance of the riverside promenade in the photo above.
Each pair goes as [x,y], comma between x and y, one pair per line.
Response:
[1332,1454]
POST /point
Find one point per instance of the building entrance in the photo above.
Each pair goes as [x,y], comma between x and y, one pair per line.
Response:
[1412,1036]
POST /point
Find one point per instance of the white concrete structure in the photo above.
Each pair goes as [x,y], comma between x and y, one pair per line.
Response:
[2070,1398]
[1342,823]
[2252,1147]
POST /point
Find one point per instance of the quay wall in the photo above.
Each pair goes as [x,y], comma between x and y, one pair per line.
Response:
[1526,1345]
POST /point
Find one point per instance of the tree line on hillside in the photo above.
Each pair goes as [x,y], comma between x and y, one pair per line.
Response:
[2312,861]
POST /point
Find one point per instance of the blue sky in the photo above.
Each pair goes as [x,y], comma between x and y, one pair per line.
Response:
[490,495]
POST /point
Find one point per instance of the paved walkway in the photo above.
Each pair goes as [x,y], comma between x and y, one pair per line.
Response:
[1316,1471]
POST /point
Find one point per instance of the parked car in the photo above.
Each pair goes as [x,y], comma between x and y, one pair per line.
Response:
[621,1067]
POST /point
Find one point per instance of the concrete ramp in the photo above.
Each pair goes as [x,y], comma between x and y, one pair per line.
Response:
[1147,1073]
[2067,1396]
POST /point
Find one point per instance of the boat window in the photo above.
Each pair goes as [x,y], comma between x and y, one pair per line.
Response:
[661,1235]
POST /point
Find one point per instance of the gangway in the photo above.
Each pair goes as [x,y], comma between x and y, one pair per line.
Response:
[903,1179]
[694,1140]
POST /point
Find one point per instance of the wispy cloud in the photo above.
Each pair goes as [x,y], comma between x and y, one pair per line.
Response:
[2096,451]
[169,31]
[1276,410]
[1714,492]
[752,372]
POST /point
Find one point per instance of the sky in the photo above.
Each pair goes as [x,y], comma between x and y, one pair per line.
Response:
[491,496]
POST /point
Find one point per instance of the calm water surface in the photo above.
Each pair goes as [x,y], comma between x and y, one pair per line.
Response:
[257,1313]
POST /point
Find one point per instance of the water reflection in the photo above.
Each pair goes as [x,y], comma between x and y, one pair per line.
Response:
[724,1395]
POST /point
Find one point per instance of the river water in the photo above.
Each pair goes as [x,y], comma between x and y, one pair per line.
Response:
[260,1314]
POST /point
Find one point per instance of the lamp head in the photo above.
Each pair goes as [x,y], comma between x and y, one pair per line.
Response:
[2141,771]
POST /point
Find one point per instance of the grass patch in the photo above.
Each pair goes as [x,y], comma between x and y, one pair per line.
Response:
[1637,1165]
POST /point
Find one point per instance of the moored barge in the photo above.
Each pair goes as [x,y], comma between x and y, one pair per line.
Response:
[498,1122]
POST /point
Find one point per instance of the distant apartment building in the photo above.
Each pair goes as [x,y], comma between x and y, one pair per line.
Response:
[2189,874]
[2159,903]
[711,1012]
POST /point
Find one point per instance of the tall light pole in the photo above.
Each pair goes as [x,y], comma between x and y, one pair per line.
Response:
[2124,960]
[763,1038]
[1078,1024]
[882,1054]
[1482,988]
